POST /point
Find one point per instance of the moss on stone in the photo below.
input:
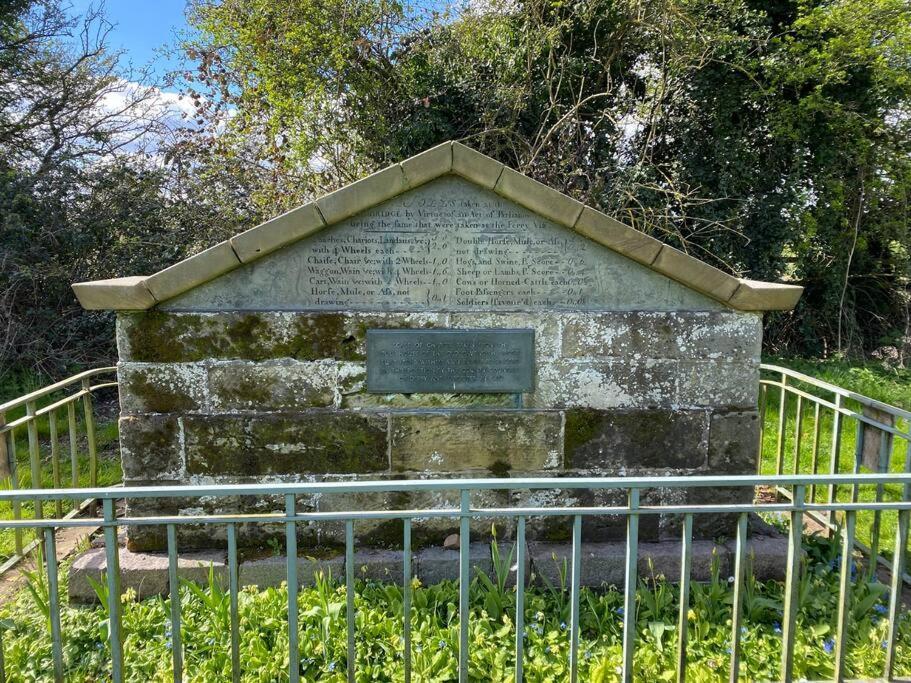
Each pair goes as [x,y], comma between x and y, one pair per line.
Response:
[315,442]
[581,426]
[500,469]
[153,395]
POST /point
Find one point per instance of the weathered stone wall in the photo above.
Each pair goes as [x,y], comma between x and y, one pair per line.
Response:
[219,397]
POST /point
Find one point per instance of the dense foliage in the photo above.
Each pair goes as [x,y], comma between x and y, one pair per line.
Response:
[435,631]
[769,138]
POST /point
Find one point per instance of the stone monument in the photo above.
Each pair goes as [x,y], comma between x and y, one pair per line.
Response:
[444,317]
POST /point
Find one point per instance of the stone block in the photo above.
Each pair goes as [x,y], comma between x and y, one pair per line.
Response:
[706,525]
[733,443]
[288,443]
[603,564]
[753,295]
[150,447]
[433,565]
[695,273]
[192,272]
[718,384]
[166,337]
[143,572]
[426,530]
[546,327]
[277,232]
[119,294]
[685,335]
[614,383]
[265,387]
[271,571]
[380,565]
[475,166]
[767,555]
[461,441]
[161,387]
[607,439]
[615,235]
[191,536]
[363,194]
[538,197]
[428,165]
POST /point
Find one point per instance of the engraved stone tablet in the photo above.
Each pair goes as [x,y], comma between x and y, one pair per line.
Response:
[445,246]
[450,361]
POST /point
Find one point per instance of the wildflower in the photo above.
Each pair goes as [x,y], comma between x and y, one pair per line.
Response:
[828,646]
[730,579]
[776,627]
[331,664]
[884,645]
[880,609]
[442,644]
[619,611]
[562,625]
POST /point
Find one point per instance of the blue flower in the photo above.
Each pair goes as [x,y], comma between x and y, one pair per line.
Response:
[880,609]
[619,611]
[442,644]
[829,646]
[885,645]
[776,627]
[332,666]
[562,625]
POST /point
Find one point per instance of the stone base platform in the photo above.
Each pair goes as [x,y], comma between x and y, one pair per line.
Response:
[602,565]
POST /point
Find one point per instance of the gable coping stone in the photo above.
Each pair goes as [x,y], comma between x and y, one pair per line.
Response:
[144,292]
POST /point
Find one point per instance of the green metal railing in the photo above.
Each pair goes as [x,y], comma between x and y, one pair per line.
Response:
[49,407]
[793,510]
[815,424]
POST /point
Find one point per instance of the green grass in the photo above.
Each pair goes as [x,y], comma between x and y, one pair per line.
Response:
[873,380]
[264,644]
[106,440]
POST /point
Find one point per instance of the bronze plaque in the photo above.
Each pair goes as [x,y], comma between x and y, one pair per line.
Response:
[450,361]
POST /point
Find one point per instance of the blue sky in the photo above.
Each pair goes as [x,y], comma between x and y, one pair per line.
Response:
[141,27]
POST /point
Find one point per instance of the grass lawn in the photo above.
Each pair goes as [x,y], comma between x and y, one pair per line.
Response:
[323,653]
[873,380]
[106,440]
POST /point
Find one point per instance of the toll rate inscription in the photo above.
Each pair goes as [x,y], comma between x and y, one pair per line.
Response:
[450,361]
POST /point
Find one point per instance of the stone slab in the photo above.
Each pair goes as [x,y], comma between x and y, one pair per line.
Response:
[271,571]
[285,443]
[447,245]
[734,442]
[161,387]
[264,387]
[496,441]
[603,564]
[635,438]
[144,573]
[150,447]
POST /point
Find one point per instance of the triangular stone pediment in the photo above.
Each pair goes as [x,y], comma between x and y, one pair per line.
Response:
[446,245]
[495,239]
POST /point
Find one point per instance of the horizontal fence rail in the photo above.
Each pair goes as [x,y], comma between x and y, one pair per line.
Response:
[791,510]
[817,426]
[61,411]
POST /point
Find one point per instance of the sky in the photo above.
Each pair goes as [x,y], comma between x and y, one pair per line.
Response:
[141,27]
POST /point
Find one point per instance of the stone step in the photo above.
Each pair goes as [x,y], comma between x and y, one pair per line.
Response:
[146,573]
